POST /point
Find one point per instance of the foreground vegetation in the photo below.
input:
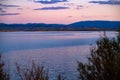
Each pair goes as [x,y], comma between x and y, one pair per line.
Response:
[103,64]
[3,74]
[33,72]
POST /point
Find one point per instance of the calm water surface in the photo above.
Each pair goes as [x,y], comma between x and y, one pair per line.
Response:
[57,51]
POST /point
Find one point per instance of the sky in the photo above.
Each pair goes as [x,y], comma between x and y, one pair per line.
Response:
[58,11]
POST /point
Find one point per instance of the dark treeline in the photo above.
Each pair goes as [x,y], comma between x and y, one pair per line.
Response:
[78,26]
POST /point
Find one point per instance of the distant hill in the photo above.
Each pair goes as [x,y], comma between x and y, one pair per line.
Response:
[78,26]
[30,27]
[104,25]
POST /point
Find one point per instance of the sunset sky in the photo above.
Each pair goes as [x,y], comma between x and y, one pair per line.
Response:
[58,11]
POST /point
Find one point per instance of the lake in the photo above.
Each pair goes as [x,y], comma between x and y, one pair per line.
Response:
[57,51]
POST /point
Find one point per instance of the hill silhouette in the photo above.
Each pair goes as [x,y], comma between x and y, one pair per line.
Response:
[77,26]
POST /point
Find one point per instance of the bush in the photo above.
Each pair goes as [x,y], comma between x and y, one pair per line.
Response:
[103,62]
[34,72]
[3,75]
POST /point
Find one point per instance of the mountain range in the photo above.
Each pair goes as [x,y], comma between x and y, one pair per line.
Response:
[77,26]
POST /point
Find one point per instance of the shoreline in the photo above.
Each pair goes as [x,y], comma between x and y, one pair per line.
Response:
[52,30]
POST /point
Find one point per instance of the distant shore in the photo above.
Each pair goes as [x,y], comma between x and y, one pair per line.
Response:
[56,30]
[77,26]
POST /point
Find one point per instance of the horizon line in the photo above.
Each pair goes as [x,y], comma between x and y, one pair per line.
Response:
[58,23]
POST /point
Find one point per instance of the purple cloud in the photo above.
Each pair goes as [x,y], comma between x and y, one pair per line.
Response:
[111,2]
[69,4]
[49,1]
[6,14]
[19,8]
[70,16]
[1,10]
[6,5]
[79,7]
[52,8]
